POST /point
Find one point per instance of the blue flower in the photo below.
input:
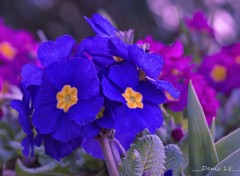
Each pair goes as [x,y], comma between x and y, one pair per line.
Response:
[24,110]
[67,99]
[101,26]
[139,100]
[66,102]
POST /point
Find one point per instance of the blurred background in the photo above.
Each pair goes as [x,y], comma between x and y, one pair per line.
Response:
[161,18]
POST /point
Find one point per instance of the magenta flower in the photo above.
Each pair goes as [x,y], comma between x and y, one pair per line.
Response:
[220,69]
[178,69]
[17,47]
[199,23]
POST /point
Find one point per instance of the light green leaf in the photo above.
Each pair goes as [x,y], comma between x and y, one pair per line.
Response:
[202,150]
[213,126]
[230,166]
[228,144]
[174,158]
[131,165]
[152,154]
[22,170]
[51,168]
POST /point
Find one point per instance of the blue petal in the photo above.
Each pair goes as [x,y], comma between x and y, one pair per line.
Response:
[96,49]
[111,91]
[151,64]
[107,121]
[118,48]
[66,130]
[58,150]
[31,75]
[129,120]
[46,118]
[24,113]
[51,51]
[38,140]
[46,93]
[101,26]
[153,116]
[90,131]
[85,111]
[136,120]
[93,148]
[28,146]
[124,75]
[150,93]
[80,73]
[168,173]
[166,86]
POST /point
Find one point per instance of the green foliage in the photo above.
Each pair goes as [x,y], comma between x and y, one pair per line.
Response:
[230,166]
[202,150]
[131,165]
[151,154]
[228,144]
[174,158]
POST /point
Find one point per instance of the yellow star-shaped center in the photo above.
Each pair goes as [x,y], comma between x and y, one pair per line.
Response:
[133,98]
[67,97]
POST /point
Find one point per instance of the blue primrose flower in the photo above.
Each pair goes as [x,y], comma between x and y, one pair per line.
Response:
[67,100]
[139,99]
[104,50]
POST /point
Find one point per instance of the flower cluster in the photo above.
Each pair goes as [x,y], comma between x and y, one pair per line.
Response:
[17,47]
[73,97]
[179,70]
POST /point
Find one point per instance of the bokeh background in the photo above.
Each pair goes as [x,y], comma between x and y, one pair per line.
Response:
[161,18]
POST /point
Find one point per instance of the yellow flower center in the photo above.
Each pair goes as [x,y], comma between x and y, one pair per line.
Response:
[117,59]
[7,50]
[237,60]
[100,114]
[175,72]
[67,97]
[133,99]
[218,73]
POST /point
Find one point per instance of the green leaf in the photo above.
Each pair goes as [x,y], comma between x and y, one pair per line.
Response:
[202,150]
[228,144]
[174,158]
[52,168]
[22,170]
[213,126]
[131,165]
[152,154]
[230,166]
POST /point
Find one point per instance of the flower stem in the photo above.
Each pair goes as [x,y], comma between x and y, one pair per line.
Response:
[115,153]
[108,156]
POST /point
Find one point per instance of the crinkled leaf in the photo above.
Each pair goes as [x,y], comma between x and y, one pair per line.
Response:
[228,144]
[152,154]
[202,150]
[174,159]
[131,165]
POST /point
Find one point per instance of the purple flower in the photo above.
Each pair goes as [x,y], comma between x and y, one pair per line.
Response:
[220,69]
[17,47]
[199,23]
